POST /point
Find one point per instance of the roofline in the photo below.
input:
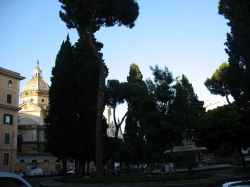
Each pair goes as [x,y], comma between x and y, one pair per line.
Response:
[11,73]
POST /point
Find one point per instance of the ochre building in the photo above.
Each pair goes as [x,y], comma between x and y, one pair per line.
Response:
[9,95]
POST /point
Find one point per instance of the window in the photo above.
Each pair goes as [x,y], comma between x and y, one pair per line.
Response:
[6,159]
[8,119]
[10,84]
[31,100]
[9,98]
[42,100]
[7,138]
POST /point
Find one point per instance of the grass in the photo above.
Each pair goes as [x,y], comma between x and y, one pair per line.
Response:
[134,179]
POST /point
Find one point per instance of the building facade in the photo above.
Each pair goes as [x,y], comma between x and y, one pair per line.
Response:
[9,99]
[111,124]
[31,129]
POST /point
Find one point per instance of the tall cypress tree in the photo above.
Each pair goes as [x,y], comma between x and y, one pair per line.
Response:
[134,130]
[73,100]
[85,93]
[61,104]
[185,110]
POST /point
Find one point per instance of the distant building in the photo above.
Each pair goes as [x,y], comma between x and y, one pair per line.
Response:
[111,124]
[31,129]
[212,105]
[9,95]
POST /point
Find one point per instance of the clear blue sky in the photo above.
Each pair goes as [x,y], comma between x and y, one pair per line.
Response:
[187,36]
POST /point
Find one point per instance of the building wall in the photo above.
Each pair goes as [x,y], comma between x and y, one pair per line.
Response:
[8,90]
[9,84]
[34,97]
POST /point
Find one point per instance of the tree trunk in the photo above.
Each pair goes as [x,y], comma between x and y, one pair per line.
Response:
[90,36]
[118,125]
[243,162]
[81,167]
[228,101]
[88,168]
[64,166]
[99,161]
[76,166]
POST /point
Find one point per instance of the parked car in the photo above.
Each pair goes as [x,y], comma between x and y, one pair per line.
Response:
[243,183]
[70,172]
[35,172]
[8,179]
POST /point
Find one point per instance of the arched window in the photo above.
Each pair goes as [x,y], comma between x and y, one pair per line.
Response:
[10,84]
[31,100]
[21,161]
[34,164]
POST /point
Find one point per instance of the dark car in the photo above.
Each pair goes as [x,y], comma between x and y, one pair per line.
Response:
[8,179]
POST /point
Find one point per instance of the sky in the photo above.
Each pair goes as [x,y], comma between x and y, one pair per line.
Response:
[186,36]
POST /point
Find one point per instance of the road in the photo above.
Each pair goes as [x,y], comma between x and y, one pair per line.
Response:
[35,181]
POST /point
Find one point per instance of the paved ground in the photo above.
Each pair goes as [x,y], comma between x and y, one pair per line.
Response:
[219,176]
[35,181]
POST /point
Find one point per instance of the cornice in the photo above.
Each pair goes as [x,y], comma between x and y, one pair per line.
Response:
[11,73]
[10,107]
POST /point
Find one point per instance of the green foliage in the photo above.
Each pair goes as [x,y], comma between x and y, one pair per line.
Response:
[116,149]
[159,132]
[219,82]
[61,99]
[238,48]
[73,100]
[116,93]
[134,73]
[135,130]
[97,13]
[223,126]
[158,113]
[186,107]
[113,93]
[161,88]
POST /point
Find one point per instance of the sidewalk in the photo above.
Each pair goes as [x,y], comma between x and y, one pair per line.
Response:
[207,167]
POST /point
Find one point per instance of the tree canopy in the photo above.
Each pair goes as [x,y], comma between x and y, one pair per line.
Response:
[224,127]
[238,48]
[219,82]
[97,13]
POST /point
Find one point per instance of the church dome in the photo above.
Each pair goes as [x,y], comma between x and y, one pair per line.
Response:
[36,83]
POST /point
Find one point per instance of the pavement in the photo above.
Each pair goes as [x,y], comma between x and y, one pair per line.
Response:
[220,174]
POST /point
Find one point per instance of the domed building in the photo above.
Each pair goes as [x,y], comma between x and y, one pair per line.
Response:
[31,136]
[34,99]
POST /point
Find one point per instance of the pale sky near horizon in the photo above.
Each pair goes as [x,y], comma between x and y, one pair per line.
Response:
[187,36]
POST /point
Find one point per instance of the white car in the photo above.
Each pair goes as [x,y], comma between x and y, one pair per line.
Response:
[12,180]
[243,183]
[35,172]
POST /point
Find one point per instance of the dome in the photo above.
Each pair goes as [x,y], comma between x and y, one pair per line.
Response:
[36,83]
